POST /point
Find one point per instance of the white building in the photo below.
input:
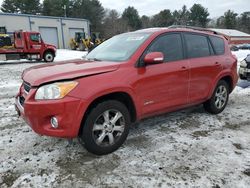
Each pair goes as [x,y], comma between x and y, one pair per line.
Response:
[54,30]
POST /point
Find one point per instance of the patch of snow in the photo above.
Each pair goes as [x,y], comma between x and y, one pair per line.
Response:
[241,54]
[63,55]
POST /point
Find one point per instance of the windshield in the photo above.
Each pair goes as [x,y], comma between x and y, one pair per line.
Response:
[118,48]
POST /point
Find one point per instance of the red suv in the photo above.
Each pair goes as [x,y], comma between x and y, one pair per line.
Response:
[128,77]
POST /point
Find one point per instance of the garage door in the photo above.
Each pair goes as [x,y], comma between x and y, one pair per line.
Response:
[49,35]
[72,31]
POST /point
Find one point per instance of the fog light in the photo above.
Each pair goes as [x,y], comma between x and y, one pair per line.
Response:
[54,122]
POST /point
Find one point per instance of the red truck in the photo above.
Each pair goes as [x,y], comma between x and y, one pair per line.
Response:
[28,45]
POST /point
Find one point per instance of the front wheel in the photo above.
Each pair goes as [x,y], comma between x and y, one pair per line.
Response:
[219,99]
[106,127]
[48,56]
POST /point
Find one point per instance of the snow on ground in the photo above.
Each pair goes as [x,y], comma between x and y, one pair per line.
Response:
[188,148]
[62,55]
[241,54]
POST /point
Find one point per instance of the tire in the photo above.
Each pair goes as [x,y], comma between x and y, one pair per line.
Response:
[217,103]
[48,56]
[101,133]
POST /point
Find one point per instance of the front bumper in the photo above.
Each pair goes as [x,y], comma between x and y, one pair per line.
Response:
[244,73]
[38,113]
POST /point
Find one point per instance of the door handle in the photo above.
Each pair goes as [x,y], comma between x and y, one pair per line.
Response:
[217,63]
[183,68]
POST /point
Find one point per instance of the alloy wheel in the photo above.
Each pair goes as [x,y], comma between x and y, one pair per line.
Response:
[108,127]
[221,97]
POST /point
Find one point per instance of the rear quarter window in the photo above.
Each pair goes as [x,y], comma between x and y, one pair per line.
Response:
[218,45]
[197,46]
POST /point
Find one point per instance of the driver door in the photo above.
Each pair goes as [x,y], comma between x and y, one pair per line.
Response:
[163,86]
[35,43]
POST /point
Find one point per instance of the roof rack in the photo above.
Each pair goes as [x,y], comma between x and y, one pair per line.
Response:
[192,27]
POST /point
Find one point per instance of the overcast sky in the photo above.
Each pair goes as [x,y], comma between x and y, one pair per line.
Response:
[150,7]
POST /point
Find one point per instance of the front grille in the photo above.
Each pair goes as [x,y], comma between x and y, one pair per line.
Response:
[26,87]
[21,100]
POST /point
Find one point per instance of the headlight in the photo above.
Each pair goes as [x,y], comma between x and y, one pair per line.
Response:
[243,64]
[56,90]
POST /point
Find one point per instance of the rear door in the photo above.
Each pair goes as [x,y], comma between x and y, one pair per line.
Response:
[204,65]
[165,85]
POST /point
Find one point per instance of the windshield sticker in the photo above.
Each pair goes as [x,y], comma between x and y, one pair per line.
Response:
[135,38]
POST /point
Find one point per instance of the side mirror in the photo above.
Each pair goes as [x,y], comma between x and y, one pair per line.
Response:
[154,58]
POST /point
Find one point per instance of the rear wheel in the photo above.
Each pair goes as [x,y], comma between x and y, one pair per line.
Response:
[106,127]
[48,56]
[219,99]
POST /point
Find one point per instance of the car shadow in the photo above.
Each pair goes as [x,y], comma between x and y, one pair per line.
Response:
[243,83]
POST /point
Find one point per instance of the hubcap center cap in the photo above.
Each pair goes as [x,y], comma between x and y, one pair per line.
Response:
[108,127]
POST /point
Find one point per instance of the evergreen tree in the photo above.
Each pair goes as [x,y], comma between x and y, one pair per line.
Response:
[56,8]
[163,19]
[131,16]
[198,15]
[181,17]
[146,22]
[230,20]
[29,6]
[9,6]
[21,6]
[245,22]
[91,10]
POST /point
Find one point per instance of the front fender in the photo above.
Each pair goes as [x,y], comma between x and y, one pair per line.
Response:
[49,48]
[108,91]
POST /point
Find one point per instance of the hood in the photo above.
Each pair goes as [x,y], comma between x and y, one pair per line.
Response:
[40,74]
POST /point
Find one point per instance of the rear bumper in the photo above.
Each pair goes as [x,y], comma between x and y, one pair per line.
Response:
[68,111]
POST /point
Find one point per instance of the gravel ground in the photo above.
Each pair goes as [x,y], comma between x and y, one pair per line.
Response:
[188,148]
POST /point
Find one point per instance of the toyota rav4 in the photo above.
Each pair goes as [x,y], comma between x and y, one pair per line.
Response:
[128,77]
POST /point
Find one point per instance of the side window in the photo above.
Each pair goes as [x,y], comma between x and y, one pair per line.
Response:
[170,45]
[218,44]
[35,37]
[197,46]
